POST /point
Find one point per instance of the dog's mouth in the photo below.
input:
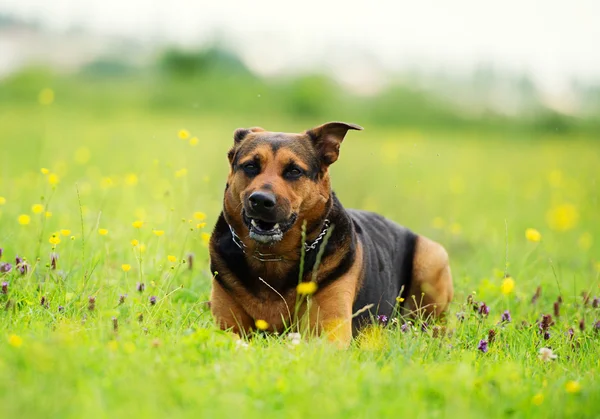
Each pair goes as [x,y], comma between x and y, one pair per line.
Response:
[267,232]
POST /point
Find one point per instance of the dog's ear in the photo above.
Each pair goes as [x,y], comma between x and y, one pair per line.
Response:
[327,139]
[238,136]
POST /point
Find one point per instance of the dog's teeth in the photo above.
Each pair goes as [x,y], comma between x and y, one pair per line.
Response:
[253,222]
[276,226]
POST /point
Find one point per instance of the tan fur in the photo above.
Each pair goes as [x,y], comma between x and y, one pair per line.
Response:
[331,311]
[227,312]
[431,287]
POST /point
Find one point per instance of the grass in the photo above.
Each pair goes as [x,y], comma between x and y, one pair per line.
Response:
[64,356]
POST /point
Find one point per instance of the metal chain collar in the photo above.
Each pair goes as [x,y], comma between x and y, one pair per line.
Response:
[270,257]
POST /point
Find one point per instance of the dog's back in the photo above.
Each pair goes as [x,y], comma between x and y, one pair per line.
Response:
[388,263]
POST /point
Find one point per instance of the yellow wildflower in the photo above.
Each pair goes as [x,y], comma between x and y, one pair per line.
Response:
[306,288]
[44,171]
[183,134]
[46,96]
[193,141]
[14,340]
[113,345]
[142,248]
[562,217]
[54,239]
[555,178]
[131,179]
[533,235]
[137,224]
[82,155]
[102,231]
[508,285]
[200,225]
[126,267]
[24,219]
[2,200]
[53,179]
[181,173]
[158,232]
[65,232]
[129,347]
[538,399]
[134,242]
[48,214]
[438,222]
[572,387]
[106,183]
[399,299]
[205,238]
[455,229]
[200,216]
[172,258]
[37,208]
[261,324]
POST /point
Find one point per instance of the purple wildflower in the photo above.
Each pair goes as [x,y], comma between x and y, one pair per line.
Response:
[91,303]
[559,299]
[122,298]
[582,325]
[546,322]
[152,300]
[491,335]
[44,301]
[18,260]
[586,297]
[115,323]
[570,333]
[546,334]
[5,287]
[61,309]
[424,326]
[53,260]
[23,268]
[556,309]
[460,316]
[140,286]
[506,317]
[190,258]
[596,302]
[405,327]
[5,267]
[597,326]
[483,310]
[483,345]
[382,319]
[1,251]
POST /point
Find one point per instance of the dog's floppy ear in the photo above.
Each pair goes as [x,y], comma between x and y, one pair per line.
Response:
[238,136]
[327,139]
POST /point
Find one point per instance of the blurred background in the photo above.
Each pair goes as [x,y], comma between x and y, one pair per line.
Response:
[530,66]
[481,119]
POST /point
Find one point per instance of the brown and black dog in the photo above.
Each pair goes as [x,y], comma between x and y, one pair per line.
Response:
[279,182]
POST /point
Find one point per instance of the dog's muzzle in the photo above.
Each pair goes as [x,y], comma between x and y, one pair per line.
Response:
[264,219]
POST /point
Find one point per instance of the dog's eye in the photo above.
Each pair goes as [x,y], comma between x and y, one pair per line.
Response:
[250,169]
[292,173]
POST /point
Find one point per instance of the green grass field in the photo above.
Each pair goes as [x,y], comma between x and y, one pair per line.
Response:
[69,348]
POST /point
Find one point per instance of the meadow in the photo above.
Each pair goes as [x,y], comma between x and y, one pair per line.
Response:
[105,214]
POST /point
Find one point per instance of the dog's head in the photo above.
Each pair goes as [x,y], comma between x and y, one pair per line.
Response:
[279,180]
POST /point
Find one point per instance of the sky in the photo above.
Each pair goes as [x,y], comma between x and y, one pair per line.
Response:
[554,41]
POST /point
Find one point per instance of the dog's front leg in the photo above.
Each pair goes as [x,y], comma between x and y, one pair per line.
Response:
[227,312]
[331,311]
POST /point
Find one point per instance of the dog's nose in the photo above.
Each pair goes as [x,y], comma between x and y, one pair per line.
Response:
[262,201]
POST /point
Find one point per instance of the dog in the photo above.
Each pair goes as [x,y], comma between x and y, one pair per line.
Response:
[278,192]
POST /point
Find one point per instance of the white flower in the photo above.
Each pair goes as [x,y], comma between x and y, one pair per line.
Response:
[241,344]
[294,338]
[546,354]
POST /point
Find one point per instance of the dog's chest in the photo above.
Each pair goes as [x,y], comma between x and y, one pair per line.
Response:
[273,309]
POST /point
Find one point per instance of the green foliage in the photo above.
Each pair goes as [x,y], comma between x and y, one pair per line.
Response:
[114,157]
